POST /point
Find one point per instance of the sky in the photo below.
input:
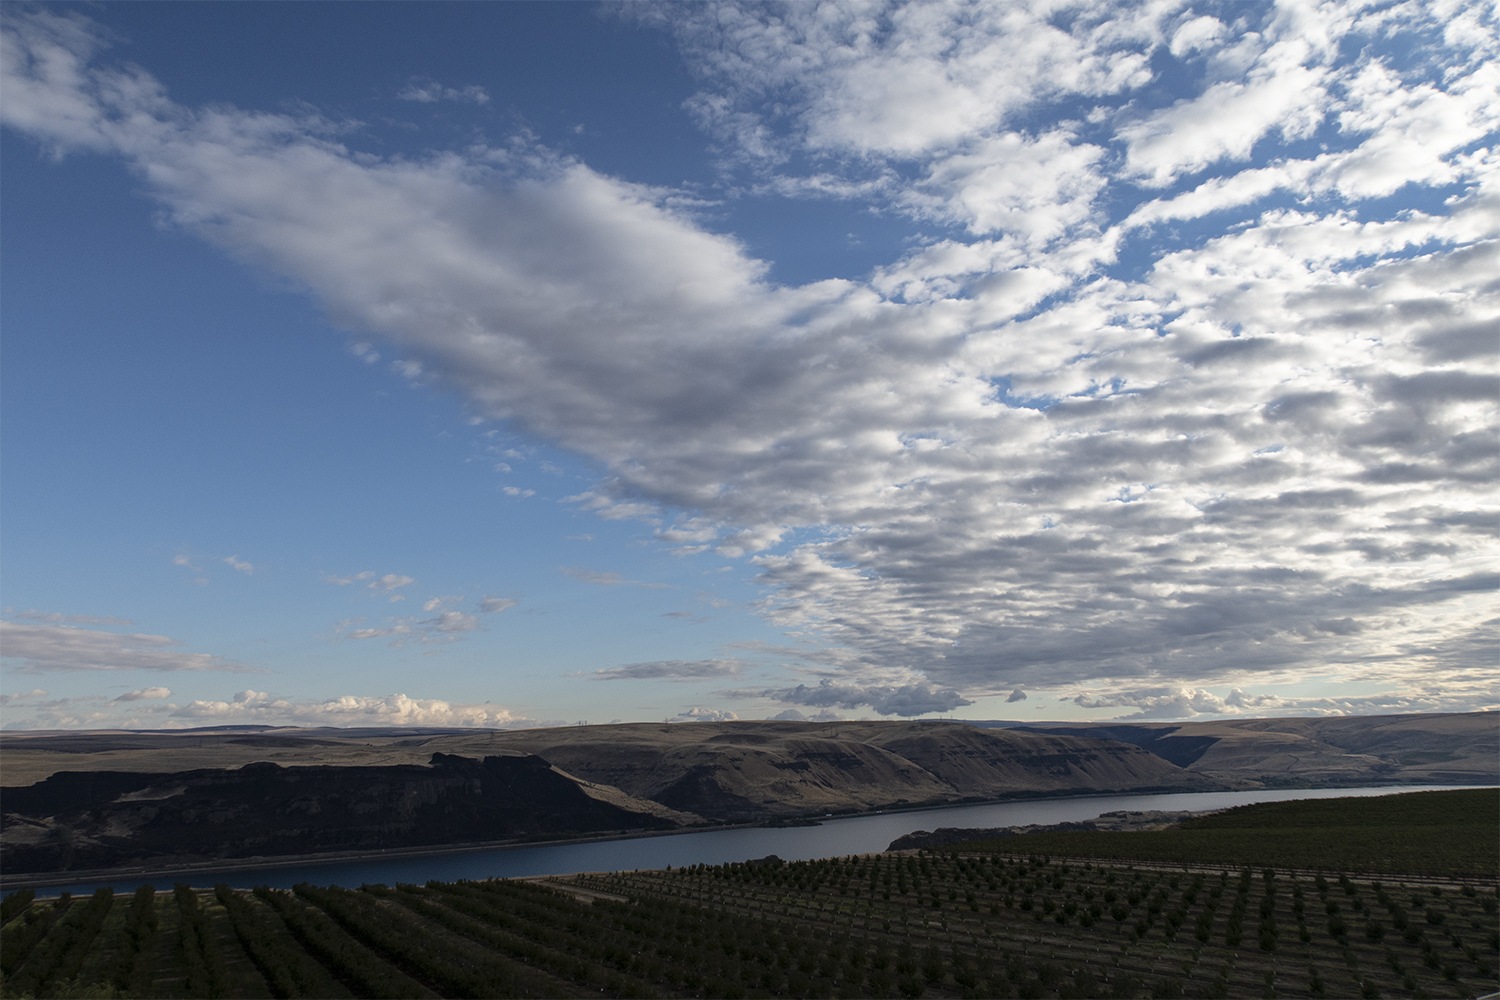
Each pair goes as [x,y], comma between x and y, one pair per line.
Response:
[541,363]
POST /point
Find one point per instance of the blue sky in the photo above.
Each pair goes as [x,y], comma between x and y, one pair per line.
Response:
[512,364]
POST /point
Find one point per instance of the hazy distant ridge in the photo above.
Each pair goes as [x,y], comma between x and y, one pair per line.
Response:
[1460,748]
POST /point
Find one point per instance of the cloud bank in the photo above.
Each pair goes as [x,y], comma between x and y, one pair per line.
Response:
[1168,390]
[150,709]
[46,648]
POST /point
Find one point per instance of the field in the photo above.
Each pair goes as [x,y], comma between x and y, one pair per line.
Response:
[950,924]
[1436,833]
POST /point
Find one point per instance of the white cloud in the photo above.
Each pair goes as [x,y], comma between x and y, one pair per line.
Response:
[1036,188]
[1079,433]
[239,565]
[344,581]
[258,707]
[1409,133]
[1225,122]
[146,694]
[446,626]
[149,709]
[905,699]
[603,578]
[387,584]
[59,618]
[897,79]
[47,648]
[493,605]
[425,91]
[186,562]
[792,715]
[1168,703]
[673,670]
[699,714]
[1195,34]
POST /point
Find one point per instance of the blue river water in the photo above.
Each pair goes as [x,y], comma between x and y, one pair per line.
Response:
[830,838]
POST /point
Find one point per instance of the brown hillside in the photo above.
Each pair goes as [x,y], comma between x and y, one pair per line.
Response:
[744,770]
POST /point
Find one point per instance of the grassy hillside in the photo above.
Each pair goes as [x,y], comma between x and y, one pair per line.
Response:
[1445,832]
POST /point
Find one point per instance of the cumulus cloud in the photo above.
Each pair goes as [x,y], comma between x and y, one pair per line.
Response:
[146,694]
[259,707]
[896,79]
[1168,703]
[149,708]
[1207,408]
[1015,696]
[602,578]
[239,565]
[495,605]
[905,699]
[698,714]
[48,648]
[388,584]
[793,715]
[449,625]
[59,618]
[186,562]
[425,91]
[675,670]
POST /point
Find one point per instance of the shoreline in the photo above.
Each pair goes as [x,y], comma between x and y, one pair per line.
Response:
[43,880]
[188,870]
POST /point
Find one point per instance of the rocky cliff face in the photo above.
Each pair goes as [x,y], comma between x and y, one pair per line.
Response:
[751,771]
[95,820]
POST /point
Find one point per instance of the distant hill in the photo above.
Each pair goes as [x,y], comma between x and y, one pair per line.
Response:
[1453,832]
[754,770]
[108,819]
[1300,753]
[108,798]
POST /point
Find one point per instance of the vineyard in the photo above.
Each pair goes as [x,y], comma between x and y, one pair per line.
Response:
[1450,832]
[939,925]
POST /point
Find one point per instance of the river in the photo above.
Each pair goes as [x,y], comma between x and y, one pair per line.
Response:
[831,838]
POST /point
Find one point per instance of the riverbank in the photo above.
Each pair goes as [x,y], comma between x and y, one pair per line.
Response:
[834,836]
[186,870]
[1119,821]
[179,871]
